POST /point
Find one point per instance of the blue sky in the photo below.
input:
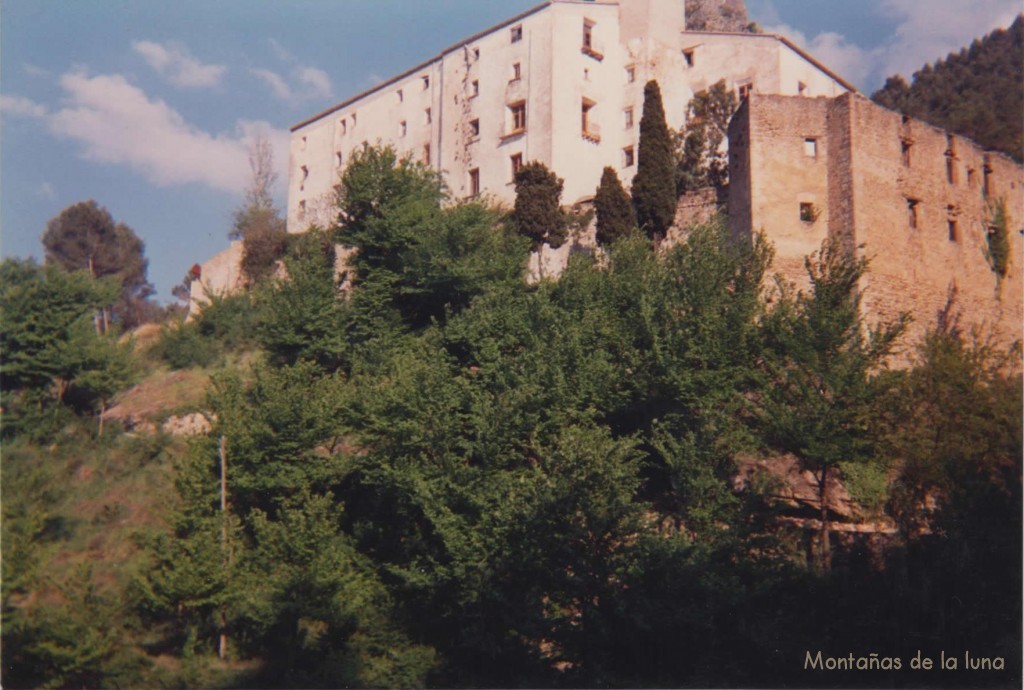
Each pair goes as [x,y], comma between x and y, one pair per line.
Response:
[149,106]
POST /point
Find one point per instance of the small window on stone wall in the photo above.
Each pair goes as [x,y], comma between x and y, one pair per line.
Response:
[811,147]
[951,225]
[912,212]
[808,212]
[688,56]
[474,182]
[905,145]
[517,33]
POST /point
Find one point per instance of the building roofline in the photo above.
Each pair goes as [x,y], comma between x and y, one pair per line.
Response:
[789,44]
[426,63]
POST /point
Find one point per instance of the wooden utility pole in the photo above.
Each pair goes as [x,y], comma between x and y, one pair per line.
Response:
[222,648]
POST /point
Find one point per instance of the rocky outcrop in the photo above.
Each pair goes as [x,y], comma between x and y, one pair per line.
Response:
[718,15]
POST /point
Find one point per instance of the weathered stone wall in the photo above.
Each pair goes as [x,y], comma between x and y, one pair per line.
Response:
[221,275]
[910,195]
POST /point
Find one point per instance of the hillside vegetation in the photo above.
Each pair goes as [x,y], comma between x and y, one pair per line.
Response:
[975,92]
[447,475]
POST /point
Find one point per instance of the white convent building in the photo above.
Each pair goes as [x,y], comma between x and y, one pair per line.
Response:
[561,83]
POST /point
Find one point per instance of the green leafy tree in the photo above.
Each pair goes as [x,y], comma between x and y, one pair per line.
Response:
[997,249]
[84,237]
[701,160]
[654,188]
[537,215]
[615,215]
[825,374]
[415,259]
[303,316]
[48,347]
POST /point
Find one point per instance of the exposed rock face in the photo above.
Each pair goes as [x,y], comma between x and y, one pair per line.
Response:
[718,15]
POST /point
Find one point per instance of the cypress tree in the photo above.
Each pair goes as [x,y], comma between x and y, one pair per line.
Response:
[654,187]
[537,214]
[615,216]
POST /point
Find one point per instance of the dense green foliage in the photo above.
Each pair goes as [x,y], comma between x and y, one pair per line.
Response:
[442,474]
[701,160]
[654,186]
[975,92]
[615,215]
[257,222]
[538,214]
[997,249]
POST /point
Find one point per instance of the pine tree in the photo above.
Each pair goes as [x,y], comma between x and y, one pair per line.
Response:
[654,187]
[615,215]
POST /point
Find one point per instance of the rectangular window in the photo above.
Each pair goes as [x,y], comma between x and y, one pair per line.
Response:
[517,33]
[426,116]
[688,56]
[811,147]
[426,81]
[589,129]
[517,71]
[807,212]
[518,113]
[426,154]
[630,74]
[628,117]
[474,129]
[474,88]
[627,157]
[588,34]
[474,182]
[905,145]
[517,162]
[912,205]
[402,128]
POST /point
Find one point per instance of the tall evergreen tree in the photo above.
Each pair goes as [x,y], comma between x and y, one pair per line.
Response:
[538,215]
[615,215]
[654,187]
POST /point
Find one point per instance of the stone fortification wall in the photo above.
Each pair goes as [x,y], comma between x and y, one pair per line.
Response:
[221,275]
[915,198]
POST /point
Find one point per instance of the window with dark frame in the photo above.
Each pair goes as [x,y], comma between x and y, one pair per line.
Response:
[517,33]
[517,162]
[688,56]
[628,117]
[807,214]
[474,128]
[474,182]
[518,111]
[517,71]
[628,157]
[912,212]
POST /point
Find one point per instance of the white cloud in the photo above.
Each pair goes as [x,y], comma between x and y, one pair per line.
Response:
[275,81]
[308,83]
[46,191]
[928,33]
[34,70]
[848,60]
[174,62]
[317,80]
[18,105]
[117,123]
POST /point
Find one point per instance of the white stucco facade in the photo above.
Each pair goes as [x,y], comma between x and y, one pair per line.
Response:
[561,84]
